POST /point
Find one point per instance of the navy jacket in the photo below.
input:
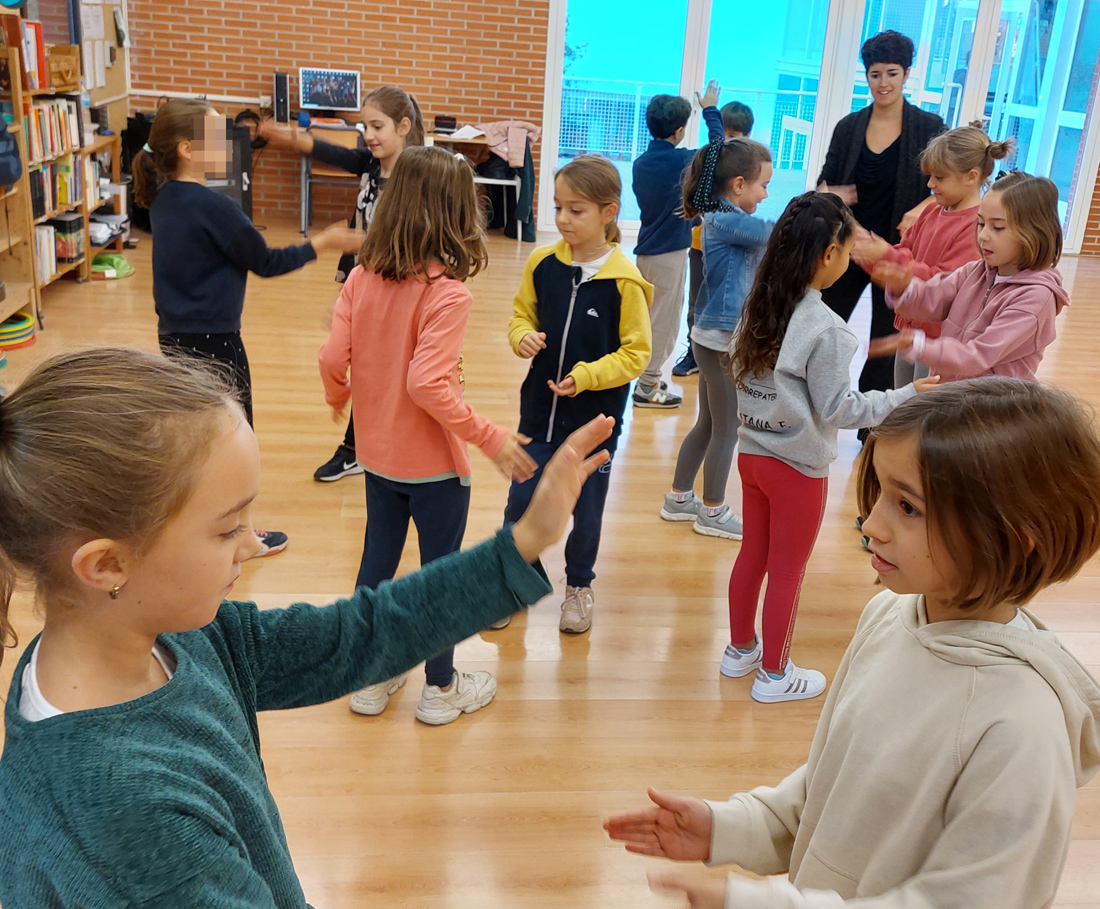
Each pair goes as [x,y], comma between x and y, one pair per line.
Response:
[658,173]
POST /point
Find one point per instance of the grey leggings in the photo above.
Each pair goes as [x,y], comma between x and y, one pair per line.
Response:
[712,439]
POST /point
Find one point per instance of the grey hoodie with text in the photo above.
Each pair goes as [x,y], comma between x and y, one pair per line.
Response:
[793,412]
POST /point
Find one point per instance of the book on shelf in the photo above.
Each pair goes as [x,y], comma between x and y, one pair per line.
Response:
[53,128]
[68,236]
[56,184]
[45,252]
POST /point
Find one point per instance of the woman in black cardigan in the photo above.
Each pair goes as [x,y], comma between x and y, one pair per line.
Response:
[874,164]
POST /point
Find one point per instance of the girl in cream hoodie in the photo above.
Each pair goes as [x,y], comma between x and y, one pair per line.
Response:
[944,769]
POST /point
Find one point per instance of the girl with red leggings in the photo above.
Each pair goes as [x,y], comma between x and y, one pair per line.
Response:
[790,362]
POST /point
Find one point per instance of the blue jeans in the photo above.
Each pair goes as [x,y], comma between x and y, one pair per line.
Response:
[439,511]
[583,542]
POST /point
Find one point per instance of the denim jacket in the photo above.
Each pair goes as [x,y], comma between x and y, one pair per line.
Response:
[733,244]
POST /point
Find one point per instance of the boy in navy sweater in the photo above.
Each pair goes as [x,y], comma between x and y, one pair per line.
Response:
[664,237]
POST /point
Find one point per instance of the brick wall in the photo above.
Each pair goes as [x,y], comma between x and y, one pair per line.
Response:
[474,59]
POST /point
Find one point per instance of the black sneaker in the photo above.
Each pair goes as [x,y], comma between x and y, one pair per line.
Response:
[271,542]
[340,465]
[687,365]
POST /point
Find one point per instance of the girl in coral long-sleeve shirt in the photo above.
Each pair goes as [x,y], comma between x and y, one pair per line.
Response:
[398,326]
[958,164]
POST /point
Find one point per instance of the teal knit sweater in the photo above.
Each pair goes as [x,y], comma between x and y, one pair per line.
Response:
[163,801]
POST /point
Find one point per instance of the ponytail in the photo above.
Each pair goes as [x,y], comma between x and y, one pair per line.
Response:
[398,105]
[158,162]
[808,226]
[714,166]
[964,149]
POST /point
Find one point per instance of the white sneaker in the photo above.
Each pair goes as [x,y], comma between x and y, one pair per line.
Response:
[503,623]
[372,700]
[795,685]
[675,510]
[576,611]
[736,664]
[469,692]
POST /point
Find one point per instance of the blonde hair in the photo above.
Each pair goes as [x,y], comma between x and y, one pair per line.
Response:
[595,178]
[428,214]
[99,443]
[398,105]
[962,150]
[1031,207]
[994,453]
[174,123]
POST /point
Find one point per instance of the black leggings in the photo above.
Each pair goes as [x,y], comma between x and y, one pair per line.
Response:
[226,348]
[841,298]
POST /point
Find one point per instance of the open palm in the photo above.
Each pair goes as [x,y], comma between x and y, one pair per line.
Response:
[678,828]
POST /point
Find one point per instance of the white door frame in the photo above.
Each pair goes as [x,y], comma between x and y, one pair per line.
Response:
[551,113]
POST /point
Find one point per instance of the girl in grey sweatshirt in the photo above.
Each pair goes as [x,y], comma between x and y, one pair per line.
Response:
[790,360]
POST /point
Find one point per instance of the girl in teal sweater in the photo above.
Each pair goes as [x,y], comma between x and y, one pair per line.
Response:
[131,774]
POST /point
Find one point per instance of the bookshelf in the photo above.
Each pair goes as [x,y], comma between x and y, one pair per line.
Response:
[17,267]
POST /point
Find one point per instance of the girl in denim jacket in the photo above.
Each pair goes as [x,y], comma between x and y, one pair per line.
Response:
[725,183]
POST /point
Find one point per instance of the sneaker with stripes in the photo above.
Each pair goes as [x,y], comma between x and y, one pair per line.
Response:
[794,685]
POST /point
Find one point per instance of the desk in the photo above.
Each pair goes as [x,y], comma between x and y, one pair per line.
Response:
[515,182]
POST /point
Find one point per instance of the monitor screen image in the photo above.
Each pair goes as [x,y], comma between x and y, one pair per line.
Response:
[328,89]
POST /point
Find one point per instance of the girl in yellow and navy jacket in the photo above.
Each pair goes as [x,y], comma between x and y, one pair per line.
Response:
[582,315]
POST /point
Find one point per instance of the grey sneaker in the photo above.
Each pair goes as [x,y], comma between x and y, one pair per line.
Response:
[674,510]
[576,611]
[656,397]
[725,524]
[372,700]
[469,692]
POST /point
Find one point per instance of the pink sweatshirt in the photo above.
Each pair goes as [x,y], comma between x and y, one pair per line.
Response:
[403,343]
[939,240]
[990,327]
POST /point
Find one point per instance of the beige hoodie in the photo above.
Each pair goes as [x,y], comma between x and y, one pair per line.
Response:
[942,774]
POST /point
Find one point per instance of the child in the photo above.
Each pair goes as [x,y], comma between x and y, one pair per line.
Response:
[998,314]
[399,325]
[726,180]
[737,121]
[391,123]
[958,164]
[204,246]
[944,766]
[790,362]
[665,235]
[581,317]
[132,772]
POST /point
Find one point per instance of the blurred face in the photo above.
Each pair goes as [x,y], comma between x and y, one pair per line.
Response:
[180,582]
[747,196]
[905,557]
[885,80]
[209,151]
[996,242]
[581,222]
[950,187]
[384,137]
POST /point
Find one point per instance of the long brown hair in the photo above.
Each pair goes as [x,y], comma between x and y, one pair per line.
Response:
[428,214]
[99,443]
[1031,204]
[994,453]
[397,104]
[175,122]
[595,178]
[808,226]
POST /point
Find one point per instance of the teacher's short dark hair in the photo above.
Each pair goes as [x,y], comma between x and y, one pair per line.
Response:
[666,114]
[887,47]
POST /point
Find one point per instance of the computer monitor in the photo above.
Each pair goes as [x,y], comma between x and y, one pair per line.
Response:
[328,89]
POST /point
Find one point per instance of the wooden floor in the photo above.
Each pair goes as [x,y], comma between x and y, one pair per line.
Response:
[503,808]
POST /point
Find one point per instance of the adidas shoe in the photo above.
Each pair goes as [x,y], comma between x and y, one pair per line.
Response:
[794,685]
[736,663]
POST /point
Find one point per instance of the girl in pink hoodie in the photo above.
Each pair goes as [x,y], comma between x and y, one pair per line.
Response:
[958,164]
[398,326]
[997,314]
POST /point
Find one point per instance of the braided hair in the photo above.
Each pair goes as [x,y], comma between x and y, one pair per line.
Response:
[808,226]
[713,167]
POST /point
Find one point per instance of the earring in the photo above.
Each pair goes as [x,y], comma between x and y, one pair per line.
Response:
[115,592]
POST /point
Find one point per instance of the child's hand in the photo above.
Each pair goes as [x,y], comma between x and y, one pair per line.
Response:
[869,248]
[710,96]
[678,828]
[847,193]
[339,414]
[340,238]
[532,343]
[895,278]
[513,461]
[926,383]
[890,345]
[703,889]
[285,137]
[559,486]
[566,389]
